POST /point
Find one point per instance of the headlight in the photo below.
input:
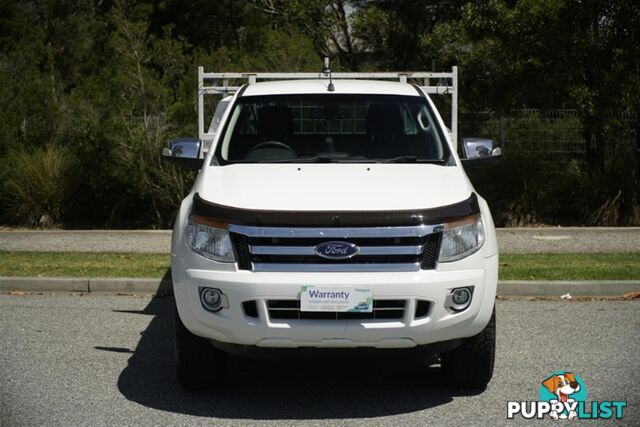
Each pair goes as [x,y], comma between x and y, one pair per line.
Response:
[209,238]
[461,238]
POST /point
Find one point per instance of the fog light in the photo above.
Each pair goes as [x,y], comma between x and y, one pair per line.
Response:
[212,299]
[459,298]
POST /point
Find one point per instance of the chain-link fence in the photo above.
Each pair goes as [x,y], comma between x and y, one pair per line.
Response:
[555,137]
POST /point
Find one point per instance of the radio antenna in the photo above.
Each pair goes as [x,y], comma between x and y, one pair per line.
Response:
[326,70]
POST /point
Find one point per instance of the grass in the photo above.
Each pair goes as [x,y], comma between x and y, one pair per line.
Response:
[625,266]
[83,264]
[512,267]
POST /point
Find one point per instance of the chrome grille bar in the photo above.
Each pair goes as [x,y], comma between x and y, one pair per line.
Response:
[293,249]
[310,250]
[334,268]
[334,232]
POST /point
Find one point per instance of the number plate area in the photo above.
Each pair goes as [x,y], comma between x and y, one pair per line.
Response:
[320,298]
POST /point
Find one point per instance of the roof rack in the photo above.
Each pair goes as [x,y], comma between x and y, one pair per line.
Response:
[219,84]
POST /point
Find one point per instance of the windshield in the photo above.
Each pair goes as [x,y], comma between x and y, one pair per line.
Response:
[332,128]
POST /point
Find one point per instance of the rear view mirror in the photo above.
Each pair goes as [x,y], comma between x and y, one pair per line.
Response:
[480,152]
[184,152]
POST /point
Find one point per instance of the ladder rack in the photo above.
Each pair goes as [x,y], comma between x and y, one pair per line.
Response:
[220,85]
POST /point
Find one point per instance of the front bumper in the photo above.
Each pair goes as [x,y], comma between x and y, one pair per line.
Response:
[232,325]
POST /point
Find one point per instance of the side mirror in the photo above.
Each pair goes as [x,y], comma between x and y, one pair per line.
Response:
[480,152]
[184,152]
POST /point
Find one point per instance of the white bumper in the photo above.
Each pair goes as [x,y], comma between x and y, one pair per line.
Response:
[232,325]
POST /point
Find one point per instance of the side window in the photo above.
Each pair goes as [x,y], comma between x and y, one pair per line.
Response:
[221,108]
[408,121]
[248,121]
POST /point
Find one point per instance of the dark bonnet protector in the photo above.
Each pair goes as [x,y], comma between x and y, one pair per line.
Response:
[241,216]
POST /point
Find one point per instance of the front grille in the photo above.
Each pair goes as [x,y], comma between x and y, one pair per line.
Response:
[290,309]
[294,249]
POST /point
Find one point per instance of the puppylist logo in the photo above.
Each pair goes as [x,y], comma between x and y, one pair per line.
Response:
[563,395]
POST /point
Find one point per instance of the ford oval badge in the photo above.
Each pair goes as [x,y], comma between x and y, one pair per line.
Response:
[337,250]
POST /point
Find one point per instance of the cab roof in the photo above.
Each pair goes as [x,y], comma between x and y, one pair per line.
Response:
[319,86]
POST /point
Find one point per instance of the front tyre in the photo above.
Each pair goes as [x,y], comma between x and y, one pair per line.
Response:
[199,365]
[471,364]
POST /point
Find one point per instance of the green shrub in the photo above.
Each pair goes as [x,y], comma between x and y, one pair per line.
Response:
[39,185]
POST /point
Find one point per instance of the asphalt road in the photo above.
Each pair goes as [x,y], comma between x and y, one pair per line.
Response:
[107,360]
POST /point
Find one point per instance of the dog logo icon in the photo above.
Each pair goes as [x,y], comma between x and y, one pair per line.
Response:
[563,396]
[563,385]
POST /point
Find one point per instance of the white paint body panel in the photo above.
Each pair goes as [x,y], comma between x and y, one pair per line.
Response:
[358,187]
[320,87]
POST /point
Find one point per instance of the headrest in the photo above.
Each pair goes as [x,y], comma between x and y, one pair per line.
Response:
[275,122]
[384,119]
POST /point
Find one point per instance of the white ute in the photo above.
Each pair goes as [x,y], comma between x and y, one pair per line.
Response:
[332,212]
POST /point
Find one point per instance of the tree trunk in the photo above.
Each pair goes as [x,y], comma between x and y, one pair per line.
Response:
[599,148]
[594,144]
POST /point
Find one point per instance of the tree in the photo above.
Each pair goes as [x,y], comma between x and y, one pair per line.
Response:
[582,54]
[113,81]
[148,75]
[390,31]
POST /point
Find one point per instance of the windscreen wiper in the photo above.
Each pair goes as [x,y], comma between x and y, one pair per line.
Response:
[314,159]
[332,159]
[412,159]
